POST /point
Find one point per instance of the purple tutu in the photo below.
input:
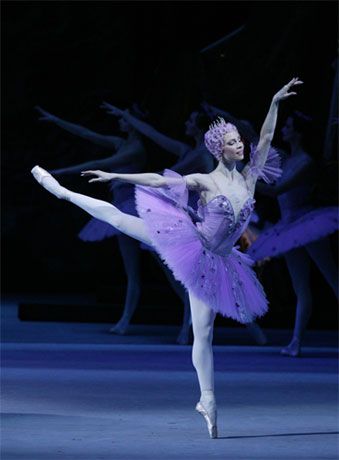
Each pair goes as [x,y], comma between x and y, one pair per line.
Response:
[288,235]
[201,255]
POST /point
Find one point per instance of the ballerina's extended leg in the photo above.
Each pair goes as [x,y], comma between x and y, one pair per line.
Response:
[129,225]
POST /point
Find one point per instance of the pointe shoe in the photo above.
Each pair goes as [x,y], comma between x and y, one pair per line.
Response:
[211,419]
[39,173]
[293,349]
[52,185]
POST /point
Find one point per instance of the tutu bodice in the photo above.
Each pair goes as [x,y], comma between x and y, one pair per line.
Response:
[220,227]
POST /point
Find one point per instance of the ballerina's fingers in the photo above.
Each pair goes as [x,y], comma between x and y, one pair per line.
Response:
[294,81]
[285,96]
[100,176]
[88,173]
[91,173]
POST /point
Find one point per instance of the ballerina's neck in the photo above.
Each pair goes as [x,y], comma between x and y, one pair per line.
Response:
[227,169]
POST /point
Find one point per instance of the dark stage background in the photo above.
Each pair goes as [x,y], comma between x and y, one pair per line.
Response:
[69,57]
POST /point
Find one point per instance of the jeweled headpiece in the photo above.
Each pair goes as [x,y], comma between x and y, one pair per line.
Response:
[215,137]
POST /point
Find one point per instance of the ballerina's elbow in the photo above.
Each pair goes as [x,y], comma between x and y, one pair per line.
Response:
[266,137]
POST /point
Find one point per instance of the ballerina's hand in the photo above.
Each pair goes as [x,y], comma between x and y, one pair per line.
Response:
[111,109]
[46,116]
[99,176]
[284,92]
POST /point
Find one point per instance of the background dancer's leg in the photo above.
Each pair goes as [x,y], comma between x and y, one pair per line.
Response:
[321,253]
[178,288]
[130,252]
[299,262]
[257,333]
[184,334]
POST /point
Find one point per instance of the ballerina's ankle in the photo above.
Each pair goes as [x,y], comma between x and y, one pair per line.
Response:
[57,190]
[207,395]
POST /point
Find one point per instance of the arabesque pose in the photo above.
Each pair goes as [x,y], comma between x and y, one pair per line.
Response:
[218,278]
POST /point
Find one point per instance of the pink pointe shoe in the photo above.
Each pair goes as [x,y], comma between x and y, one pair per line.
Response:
[49,183]
[210,417]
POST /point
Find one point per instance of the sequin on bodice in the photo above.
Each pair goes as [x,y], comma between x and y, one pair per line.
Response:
[218,227]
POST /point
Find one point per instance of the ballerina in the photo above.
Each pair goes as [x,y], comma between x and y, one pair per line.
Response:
[301,234]
[201,255]
[190,159]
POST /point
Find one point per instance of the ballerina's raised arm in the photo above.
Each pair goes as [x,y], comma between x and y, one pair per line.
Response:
[252,171]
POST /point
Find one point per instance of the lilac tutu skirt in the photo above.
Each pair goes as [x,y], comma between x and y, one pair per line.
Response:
[288,235]
[227,284]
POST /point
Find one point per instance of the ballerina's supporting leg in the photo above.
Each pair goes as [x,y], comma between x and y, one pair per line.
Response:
[202,357]
[130,252]
[202,315]
[298,263]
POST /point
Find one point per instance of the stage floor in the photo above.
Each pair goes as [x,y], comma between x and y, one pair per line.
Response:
[72,397]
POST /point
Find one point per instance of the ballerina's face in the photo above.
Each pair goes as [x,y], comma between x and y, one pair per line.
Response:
[233,147]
